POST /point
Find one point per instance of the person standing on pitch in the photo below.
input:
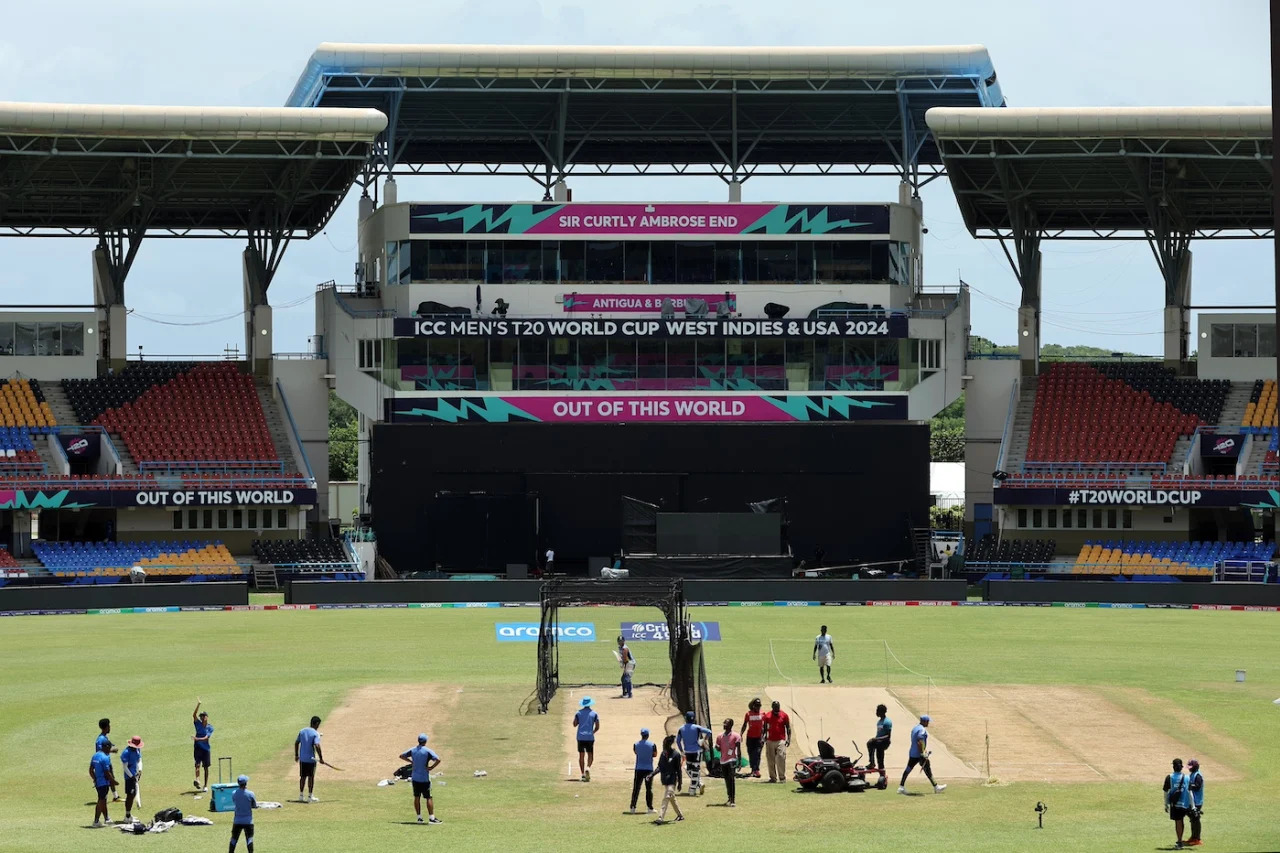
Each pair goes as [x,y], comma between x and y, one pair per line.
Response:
[1177,797]
[103,781]
[646,751]
[919,755]
[424,761]
[753,728]
[823,651]
[628,664]
[879,745]
[201,748]
[306,752]
[242,822]
[777,734]
[1196,786]
[689,739]
[730,746]
[587,722]
[669,775]
[131,761]
[104,730]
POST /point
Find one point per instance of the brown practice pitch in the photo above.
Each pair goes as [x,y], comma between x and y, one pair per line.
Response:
[376,723]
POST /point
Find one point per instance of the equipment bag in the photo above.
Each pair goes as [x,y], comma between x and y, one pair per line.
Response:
[169,814]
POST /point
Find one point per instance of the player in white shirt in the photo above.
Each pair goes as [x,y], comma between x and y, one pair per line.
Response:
[823,652]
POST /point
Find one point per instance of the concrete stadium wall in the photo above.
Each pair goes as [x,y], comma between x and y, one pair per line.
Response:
[1134,593]
[399,592]
[92,597]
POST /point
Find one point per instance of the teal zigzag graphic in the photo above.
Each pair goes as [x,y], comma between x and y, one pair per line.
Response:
[519,217]
[492,410]
[777,221]
[1274,504]
[57,500]
[801,407]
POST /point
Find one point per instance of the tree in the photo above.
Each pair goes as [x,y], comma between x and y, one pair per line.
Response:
[344,440]
[946,440]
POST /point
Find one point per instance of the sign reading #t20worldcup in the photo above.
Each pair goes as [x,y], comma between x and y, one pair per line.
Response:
[646,408]
[651,220]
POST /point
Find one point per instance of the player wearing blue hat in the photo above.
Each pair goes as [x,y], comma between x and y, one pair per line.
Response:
[919,755]
[242,822]
[646,751]
[587,722]
[424,760]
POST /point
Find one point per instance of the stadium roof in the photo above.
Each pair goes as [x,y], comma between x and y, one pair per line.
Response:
[1114,172]
[547,111]
[75,170]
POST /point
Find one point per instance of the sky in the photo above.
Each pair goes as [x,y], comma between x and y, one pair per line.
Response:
[185,294]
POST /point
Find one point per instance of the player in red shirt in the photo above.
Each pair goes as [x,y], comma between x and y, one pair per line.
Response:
[777,727]
[753,730]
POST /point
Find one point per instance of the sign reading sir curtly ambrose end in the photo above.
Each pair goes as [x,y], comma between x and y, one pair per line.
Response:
[862,326]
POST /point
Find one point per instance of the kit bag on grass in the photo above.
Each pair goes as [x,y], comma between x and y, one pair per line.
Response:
[169,814]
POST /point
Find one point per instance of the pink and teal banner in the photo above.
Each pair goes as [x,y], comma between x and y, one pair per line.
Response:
[650,220]
[646,408]
[648,303]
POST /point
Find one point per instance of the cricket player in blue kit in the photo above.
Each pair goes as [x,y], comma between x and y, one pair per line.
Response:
[689,741]
[306,752]
[587,722]
[103,781]
[201,748]
[242,822]
[919,755]
[424,760]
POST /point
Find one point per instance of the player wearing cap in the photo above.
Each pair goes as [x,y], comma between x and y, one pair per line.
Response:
[306,752]
[1177,797]
[919,755]
[201,747]
[242,822]
[753,729]
[131,761]
[646,751]
[104,730]
[777,737]
[424,760]
[1197,801]
[587,722]
[103,780]
[689,741]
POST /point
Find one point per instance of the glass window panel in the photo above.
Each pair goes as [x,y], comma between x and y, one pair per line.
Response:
[662,255]
[1037,517]
[237,519]
[282,518]
[728,263]
[604,260]
[635,257]
[493,261]
[177,520]
[222,519]
[393,262]
[447,260]
[776,262]
[750,262]
[1220,340]
[266,519]
[521,260]
[475,261]
[1082,518]
[804,262]
[1052,517]
[1266,340]
[696,263]
[24,338]
[419,252]
[529,372]
[73,338]
[1022,518]
[1246,340]
[879,262]
[192,516]
[573,268]
[6,339]
[253,519]
[550,261]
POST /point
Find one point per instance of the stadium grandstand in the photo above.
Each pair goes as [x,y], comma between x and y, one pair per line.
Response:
[680,386]
[1159,469]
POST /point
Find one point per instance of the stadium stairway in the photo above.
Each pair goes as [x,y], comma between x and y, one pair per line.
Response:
[277,427]
[1020,431]
[56,396]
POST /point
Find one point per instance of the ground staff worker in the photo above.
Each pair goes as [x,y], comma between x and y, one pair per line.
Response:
[669,775]
[753,729]
[777,728]
[1177,797]
[1197,801]
[646,751]
[878,745]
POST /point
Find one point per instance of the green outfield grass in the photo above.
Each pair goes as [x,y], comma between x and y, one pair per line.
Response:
[262,674]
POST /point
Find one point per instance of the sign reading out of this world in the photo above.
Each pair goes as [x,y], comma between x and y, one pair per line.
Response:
[869,326]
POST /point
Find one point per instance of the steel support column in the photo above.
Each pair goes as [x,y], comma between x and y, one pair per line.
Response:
[112,259]
[1025,259]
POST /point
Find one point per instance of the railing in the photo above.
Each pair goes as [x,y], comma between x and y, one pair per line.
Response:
[293,427]
[1133,469]
[223,467]
[234,355]
[354,313]
[300,356]
[1242,571]
[20,482]
[1014,395]
[7,467]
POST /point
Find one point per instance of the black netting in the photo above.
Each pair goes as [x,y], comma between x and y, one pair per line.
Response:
[688,686]
[639,526]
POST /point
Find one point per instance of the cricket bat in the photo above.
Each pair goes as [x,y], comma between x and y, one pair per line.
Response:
[331,767]
[137,794]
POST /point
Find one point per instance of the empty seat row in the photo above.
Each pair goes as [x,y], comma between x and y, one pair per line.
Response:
[284,552]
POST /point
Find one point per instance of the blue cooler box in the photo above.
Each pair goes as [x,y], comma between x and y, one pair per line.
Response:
[220,797]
